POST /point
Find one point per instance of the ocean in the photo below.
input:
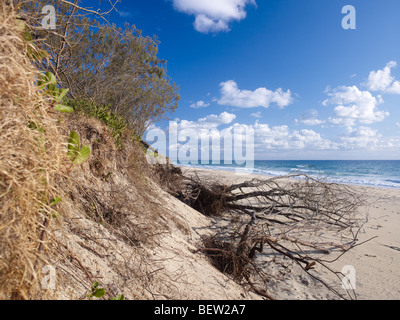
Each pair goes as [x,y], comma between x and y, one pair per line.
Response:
[376,173]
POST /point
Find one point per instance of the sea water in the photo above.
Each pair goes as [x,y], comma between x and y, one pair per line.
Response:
[377,173]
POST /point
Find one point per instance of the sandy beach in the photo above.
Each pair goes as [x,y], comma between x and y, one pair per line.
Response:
[376,262]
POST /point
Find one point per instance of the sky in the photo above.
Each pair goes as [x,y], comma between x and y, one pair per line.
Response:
[311,79]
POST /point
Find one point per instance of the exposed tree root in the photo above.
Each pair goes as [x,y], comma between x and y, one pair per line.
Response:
[296,216]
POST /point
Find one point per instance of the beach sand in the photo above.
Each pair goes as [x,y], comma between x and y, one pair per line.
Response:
[376,263]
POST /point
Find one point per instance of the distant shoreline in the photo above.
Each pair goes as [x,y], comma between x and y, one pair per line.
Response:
[264,173]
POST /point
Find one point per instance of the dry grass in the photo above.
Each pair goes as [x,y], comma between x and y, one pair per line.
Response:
[110,216]
[29,161]
[112,187]
[109,196]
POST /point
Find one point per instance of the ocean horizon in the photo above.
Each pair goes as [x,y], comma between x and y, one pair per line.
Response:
[374,173]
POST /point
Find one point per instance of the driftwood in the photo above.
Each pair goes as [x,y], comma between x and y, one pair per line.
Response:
[297,216]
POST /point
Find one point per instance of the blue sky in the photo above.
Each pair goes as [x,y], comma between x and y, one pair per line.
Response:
[309,88]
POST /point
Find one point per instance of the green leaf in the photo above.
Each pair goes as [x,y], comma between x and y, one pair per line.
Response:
[52,90]
[48,79]
[62,108]
[51,83]
[77,154]
[73,145]
[55,201]
[84,154]
[74,141]
[21,24]
[121,297]
[99,293]
[42,81]
[27,36]
[32,125]
[37,55]
[62,94]
[51,78]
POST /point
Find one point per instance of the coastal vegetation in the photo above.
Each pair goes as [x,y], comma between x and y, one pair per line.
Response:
[102,64]
[83,81]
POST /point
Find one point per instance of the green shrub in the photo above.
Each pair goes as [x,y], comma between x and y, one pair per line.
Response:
[116,123]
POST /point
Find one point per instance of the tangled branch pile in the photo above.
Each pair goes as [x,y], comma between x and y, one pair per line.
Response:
[291,216]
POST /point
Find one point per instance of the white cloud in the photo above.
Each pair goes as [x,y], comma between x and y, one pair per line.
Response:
[211,121]
[266,138]
[310,118]
[205,24]
[281,137]
[362,138]
[312,122]
[213,15]
[398,124]
[353,105]
[199,104]
[124,14]
[278,139]
[382,80]
[257,115]
[261,97]
[223,118]
[344,122]
[312,140]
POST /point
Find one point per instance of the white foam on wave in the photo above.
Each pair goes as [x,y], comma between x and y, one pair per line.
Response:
[337,177]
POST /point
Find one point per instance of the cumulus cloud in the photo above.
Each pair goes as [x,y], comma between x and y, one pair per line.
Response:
[310,118]
[257,115]
[281,137]
[213,15]
[272,139]
[368,139]
[383,81]
[312,122]
[223,118]
[199,104]
[344,122]
[231,95]
[353,105]
[266,137]
[205,24]
[209,122]
[362,138]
